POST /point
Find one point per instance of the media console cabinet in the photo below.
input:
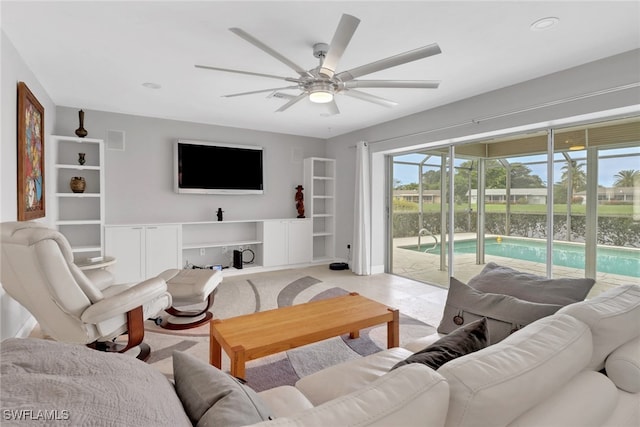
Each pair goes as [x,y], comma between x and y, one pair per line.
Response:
[144,250]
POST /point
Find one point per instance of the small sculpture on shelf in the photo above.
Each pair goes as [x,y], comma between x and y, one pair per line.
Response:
[81,159]
[300,201]
[81,131]
[78,184]
[219,214]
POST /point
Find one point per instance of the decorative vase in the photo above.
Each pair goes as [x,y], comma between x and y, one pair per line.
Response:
[299,201]
[81,159]
[81,131]
[78,184]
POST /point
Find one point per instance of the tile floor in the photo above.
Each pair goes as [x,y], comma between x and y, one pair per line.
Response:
[416,299]
[425,267]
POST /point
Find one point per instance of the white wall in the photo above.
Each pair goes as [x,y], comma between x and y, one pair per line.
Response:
[139,180]
[460,119]
[14,319]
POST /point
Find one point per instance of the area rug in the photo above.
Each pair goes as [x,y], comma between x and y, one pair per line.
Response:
[237,296]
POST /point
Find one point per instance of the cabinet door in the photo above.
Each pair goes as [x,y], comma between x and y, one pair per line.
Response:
[162,244]
[274,243]
[300,241]
[126,244]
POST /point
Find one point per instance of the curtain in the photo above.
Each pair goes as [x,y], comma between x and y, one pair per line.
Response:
[361,264]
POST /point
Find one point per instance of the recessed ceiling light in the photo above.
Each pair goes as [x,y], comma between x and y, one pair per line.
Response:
[544,23]
[151,85]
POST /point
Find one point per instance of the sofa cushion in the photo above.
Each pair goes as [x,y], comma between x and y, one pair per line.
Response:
[464,340]
[614,319]
[84,386]
[588,399]
[349,376]
[412,395]
[623,366]
[504,313]
[499,279]
[214,398]
[497,384]
[285,400]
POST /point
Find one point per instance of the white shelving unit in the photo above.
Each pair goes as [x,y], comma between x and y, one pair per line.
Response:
[213,242]
[79,216]
[275,244]
[320,190]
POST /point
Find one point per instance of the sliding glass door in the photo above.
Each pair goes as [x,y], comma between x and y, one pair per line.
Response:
[557,203]
[418,217]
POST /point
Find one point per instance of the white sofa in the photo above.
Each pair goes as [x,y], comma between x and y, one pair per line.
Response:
[549,373]
[546,374]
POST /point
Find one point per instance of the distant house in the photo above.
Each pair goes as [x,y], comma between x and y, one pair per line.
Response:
[428,196]
[613,194]
[532,196]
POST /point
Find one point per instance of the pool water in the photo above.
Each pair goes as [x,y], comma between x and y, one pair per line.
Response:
[608,260]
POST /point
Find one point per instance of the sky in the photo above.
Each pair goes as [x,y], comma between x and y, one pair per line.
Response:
[607,167]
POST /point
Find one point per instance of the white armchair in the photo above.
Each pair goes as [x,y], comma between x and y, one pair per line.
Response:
[38,271]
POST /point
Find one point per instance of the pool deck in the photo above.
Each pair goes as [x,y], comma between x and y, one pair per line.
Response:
[425,267]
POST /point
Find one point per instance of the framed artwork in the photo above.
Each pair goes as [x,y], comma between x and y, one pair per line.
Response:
[31,195]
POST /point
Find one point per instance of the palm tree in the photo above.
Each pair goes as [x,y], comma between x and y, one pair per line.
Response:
[573,179]
[578,176]
[627,178]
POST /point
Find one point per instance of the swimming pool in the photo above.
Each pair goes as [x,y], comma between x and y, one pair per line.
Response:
[608,260]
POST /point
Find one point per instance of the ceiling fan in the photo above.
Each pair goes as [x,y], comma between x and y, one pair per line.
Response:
[320,84]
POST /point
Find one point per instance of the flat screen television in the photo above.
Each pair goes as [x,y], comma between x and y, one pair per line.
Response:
[215,168]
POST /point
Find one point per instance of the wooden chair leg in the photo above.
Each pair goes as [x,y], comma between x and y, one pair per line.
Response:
[135,335]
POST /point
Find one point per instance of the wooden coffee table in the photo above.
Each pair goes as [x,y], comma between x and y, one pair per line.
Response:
[260,334]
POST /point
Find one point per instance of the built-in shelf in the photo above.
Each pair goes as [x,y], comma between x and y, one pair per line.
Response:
[269,243]
[79,216]
[230,243]
[78,195]
[319,184]
[78,167]
[79,222]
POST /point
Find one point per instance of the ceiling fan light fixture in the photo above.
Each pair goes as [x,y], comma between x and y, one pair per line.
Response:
[320,97]
[320,93]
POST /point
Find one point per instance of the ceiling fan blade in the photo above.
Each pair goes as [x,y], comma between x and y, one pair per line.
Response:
[346,28]
[332,108]
[370,98]
[257,43]
[259,91]
[290,103]
[410,84]
[249,73]
[281,95]
[392,61]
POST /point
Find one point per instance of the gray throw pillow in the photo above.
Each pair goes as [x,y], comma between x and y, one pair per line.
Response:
[464,340]
[499,279]
[505,314]
[214,398]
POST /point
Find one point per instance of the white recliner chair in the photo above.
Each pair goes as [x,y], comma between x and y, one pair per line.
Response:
[38,271]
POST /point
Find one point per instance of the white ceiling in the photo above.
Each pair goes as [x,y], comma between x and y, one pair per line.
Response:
[96,55]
